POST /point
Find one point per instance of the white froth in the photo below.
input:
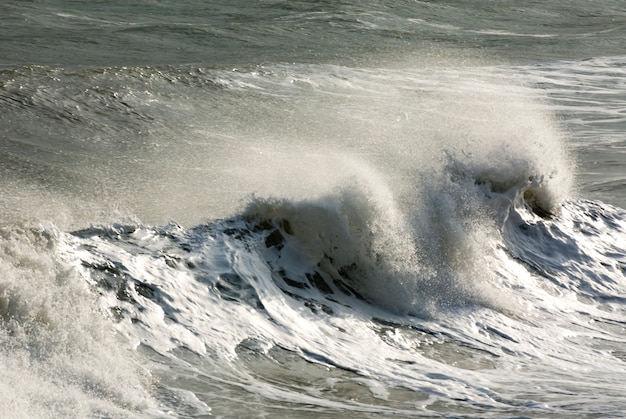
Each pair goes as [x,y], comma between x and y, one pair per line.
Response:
[60,356]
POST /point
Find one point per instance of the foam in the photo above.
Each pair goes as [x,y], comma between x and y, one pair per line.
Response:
[59,356]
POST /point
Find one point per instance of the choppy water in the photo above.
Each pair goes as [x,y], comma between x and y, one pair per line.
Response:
[311,209]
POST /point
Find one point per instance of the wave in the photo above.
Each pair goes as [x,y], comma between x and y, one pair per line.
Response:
[318,279]
[411,236]
[485,271]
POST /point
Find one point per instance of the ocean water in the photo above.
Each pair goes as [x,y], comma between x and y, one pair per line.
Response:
[312,209]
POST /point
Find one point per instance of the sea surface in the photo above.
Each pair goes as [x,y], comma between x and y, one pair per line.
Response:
[311,209]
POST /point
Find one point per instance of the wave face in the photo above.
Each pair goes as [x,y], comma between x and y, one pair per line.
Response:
[326,306]
[340,303]
[312,209]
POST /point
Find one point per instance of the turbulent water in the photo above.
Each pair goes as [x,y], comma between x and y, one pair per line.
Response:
[312,209]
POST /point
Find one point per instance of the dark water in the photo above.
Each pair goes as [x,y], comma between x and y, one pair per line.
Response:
[224,33]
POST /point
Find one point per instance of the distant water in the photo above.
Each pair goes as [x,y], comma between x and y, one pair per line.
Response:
[312,209]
